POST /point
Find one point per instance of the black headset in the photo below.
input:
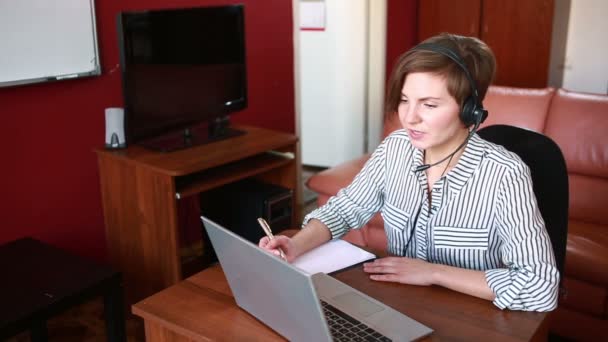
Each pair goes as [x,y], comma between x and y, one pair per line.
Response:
[472,112]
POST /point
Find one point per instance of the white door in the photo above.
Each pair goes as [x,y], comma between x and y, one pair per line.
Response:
[340,117]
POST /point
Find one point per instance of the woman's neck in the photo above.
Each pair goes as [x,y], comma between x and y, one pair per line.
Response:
[455,149]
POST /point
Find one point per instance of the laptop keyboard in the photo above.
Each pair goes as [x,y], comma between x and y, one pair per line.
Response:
[346,328]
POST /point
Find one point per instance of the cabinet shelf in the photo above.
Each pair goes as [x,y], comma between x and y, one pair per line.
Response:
[199,182]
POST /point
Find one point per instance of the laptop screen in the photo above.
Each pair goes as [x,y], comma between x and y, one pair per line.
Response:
[275,292]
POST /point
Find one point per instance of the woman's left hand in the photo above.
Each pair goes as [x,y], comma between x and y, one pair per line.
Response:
[401,270]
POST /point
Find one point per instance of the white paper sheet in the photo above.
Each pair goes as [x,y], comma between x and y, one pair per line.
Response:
[331,256]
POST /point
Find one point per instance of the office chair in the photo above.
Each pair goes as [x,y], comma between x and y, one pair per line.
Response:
[549,178]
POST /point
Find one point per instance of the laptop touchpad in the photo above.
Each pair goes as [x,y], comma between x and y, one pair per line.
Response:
[353,302]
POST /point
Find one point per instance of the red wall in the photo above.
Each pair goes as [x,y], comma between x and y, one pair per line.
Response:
[50,186]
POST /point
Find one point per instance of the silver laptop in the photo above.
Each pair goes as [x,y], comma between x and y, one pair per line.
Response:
[304,307]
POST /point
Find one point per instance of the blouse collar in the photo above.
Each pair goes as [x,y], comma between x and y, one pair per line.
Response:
[469,161]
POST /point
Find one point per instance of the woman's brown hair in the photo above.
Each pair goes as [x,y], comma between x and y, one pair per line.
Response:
[475,54]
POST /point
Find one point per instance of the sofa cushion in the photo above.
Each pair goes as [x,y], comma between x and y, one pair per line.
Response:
[588,199]
[579,125]
[587,252]
[584,297]
[578,326]
[521,107]
[328,182]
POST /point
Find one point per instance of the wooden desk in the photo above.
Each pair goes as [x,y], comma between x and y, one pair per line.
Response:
[141,188]
[202,308]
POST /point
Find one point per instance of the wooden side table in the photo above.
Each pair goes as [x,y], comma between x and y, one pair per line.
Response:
[40,281]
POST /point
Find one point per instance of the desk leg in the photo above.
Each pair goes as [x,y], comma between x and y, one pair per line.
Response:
[114,311]
[38,332]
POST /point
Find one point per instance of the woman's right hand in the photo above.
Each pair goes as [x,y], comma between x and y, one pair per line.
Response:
[284,243]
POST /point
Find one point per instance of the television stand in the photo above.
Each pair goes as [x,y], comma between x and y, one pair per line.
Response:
[141,191]
[192,136]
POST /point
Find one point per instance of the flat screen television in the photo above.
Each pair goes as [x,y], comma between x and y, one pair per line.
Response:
[183,74]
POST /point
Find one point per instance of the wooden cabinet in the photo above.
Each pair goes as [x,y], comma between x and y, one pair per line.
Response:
[141,189]
[461,17]
[518,31]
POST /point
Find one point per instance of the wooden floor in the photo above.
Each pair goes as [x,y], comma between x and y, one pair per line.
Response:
[86,323]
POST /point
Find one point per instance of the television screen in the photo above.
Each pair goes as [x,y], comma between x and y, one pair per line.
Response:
[183,73]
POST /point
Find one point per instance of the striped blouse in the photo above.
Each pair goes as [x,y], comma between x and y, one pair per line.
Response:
[482,216]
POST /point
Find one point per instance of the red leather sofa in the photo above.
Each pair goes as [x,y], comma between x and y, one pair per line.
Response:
[578,123]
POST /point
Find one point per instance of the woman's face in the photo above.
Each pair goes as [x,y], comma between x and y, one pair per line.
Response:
[430,114]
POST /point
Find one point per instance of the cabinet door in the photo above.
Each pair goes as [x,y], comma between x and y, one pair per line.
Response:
[519,33]
[459,17]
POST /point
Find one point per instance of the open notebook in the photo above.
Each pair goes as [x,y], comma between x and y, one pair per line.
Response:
[331,256]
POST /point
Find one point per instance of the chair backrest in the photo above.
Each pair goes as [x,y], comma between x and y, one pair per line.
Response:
[549,178]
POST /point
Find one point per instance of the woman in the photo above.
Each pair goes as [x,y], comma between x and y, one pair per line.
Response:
[459,211]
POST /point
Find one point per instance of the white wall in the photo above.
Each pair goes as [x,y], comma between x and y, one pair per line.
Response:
[334,79]
[586,66]
[376,72]
[559,39]
[296,76]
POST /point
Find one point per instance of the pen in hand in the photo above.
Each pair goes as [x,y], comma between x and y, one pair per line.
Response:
[268,232]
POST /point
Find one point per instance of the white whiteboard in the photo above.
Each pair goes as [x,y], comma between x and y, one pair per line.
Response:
[47,40]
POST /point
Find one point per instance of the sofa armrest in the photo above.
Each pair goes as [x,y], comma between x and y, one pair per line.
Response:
[330,181]
[327,183]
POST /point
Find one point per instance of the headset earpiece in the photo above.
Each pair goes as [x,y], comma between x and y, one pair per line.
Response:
[482,115]
[472,112]
[468,114]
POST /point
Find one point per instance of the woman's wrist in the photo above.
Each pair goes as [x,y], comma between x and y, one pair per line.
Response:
[295,248]
[437,274]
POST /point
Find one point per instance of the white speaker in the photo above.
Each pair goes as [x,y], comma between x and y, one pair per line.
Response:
[115,128]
